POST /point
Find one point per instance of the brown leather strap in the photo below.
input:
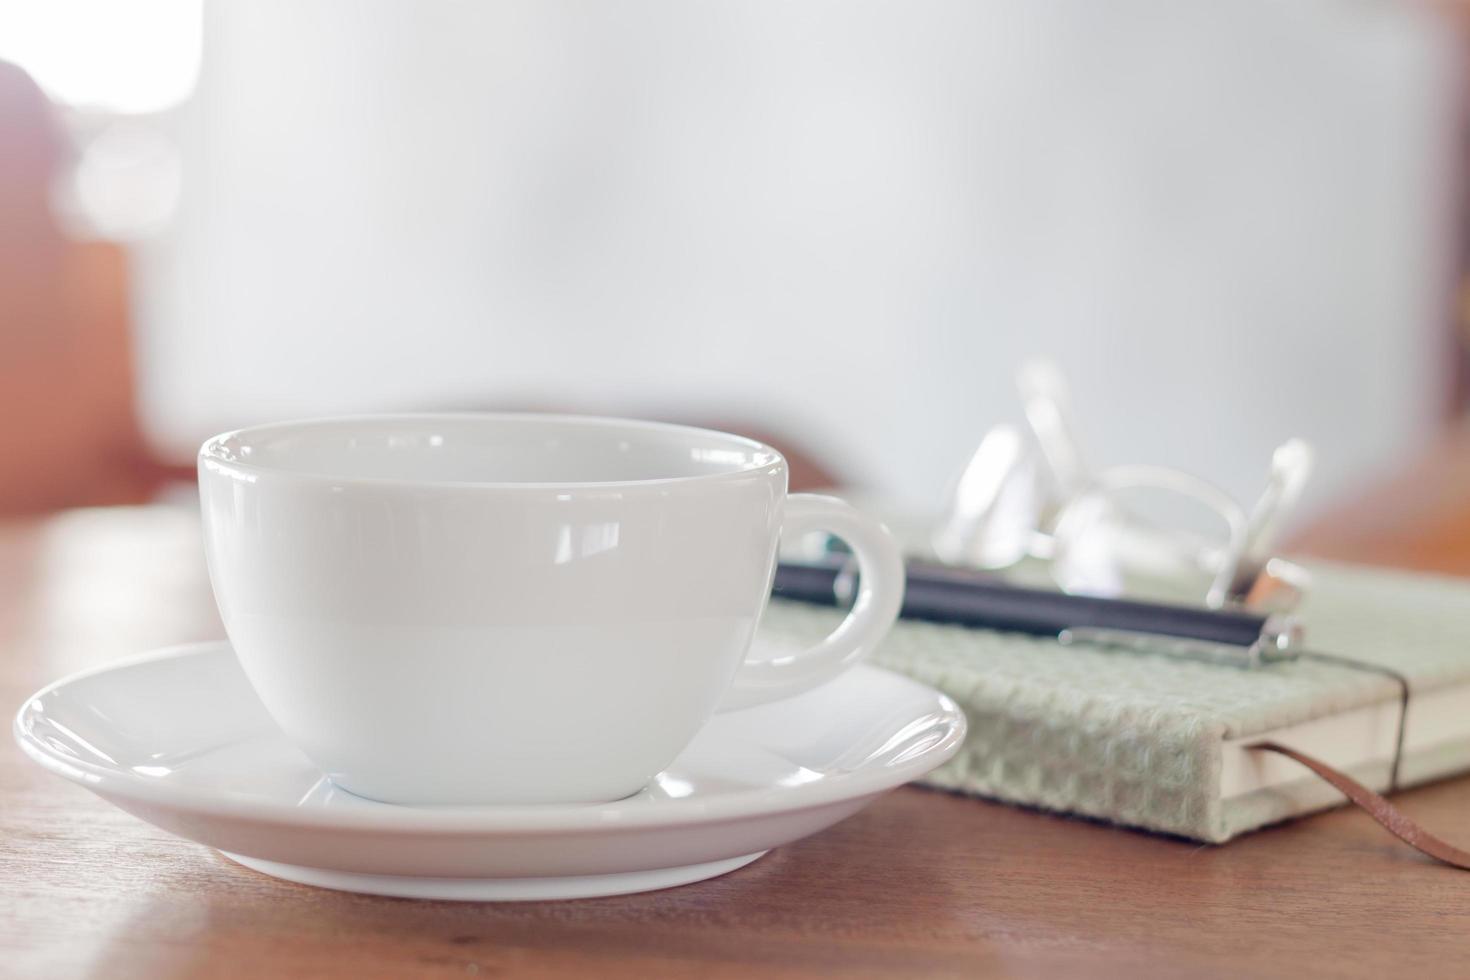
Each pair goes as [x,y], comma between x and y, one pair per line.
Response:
[1378,808]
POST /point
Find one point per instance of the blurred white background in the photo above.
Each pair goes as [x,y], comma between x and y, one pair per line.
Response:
[1229,221]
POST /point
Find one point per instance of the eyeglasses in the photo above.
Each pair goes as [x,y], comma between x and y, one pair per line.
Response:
[1137,530]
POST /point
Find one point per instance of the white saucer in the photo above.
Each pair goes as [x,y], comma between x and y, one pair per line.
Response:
[179,739]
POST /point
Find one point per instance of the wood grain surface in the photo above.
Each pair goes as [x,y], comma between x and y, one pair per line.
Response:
[922,883]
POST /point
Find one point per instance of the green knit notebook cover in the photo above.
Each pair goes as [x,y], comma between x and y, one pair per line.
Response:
[1137,739]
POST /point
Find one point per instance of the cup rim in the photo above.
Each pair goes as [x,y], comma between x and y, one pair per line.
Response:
[216,455]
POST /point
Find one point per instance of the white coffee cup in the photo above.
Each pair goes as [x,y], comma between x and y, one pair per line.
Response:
[475,609]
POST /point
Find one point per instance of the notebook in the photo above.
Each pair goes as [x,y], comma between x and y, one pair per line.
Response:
[1159,743]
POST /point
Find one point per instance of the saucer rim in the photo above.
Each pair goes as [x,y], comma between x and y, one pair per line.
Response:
[836,788]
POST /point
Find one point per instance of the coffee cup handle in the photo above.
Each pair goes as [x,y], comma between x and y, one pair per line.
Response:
[879,596]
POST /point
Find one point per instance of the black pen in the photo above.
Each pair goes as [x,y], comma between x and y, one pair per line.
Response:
[946,594]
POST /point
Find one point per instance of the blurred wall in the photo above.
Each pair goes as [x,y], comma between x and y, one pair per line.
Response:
[845,218]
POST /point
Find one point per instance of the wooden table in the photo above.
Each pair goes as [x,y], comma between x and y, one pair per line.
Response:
[921,883]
